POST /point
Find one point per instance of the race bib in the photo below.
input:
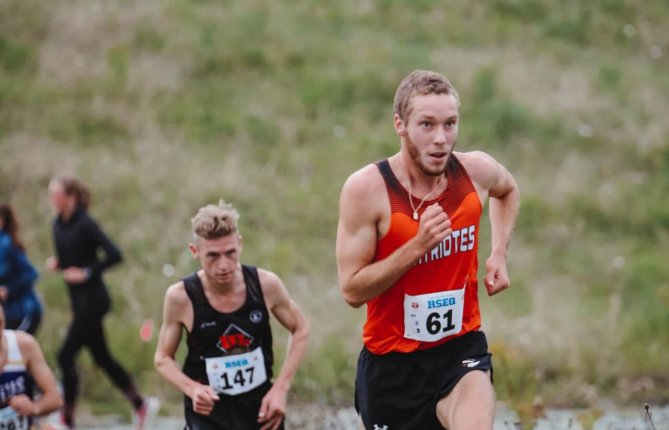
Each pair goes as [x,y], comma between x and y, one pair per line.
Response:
[431,317]
[237,374]
[10,420]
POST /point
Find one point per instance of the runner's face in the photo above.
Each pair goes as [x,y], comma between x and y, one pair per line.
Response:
[60,201]
[431,131]
[219,257]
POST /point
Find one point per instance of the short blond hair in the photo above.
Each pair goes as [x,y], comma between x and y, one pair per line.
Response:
[215,221]
[420,83]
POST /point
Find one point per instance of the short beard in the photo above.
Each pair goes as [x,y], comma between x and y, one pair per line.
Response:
[415,156]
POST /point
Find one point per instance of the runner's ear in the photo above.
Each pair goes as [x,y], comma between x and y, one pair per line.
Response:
[400,129]
[193,249]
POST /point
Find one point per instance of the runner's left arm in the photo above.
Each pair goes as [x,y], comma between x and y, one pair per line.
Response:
[495,181]
[289,315]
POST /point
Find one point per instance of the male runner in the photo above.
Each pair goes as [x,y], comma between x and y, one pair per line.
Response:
[225,309]
[407,245]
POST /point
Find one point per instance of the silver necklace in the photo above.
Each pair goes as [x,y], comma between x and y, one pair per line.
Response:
[416,209]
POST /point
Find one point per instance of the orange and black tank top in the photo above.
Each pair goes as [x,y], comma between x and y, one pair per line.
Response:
[451,265]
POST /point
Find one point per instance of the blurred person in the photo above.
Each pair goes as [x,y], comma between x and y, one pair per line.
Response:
[407,244]
[225,310]
[22,305]
[22,364]
[78,240]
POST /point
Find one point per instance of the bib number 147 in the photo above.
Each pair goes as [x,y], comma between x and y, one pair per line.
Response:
[238,378]
[237,374]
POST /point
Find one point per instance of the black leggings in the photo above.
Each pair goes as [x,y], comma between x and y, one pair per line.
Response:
[86,330]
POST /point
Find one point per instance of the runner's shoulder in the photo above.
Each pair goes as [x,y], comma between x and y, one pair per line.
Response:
[475,159]
[27,343]
[481,167]
[176,293]
[270,283]
[364,180]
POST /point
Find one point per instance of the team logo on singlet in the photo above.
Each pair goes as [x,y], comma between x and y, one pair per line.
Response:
[235,340]
[255,316]
[461,240]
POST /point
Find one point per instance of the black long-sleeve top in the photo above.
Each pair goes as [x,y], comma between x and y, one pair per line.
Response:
[77,242]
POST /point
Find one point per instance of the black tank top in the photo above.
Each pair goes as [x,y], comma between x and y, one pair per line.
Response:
[217,334]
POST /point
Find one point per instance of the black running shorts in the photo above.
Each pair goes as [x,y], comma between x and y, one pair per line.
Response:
[400,391]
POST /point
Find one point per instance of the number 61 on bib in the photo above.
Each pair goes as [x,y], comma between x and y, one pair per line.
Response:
[432,317]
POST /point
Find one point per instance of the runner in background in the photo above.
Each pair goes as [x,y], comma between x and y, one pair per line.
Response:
[78,240]
[225,310]
[22,305]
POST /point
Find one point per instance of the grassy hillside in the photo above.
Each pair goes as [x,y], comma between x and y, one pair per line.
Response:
[163,106]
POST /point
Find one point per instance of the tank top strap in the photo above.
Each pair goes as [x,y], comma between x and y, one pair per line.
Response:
[14,356]
[194,289]
[386,172]
[397,195]
[252,281]
[13,350]
[456,171]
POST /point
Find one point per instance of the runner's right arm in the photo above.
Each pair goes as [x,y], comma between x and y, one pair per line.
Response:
[363,206]
[176,310]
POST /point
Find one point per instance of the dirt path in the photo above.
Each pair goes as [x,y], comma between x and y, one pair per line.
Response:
[315,417]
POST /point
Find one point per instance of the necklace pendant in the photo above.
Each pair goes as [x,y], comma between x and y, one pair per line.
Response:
[415,216]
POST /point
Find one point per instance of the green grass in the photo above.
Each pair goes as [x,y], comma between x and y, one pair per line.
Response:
[162,107]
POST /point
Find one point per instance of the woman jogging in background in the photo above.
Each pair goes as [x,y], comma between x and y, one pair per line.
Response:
[22,306]
[77,240]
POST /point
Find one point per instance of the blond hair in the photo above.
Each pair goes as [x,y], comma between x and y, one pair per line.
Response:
[420,83]
[215,221]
